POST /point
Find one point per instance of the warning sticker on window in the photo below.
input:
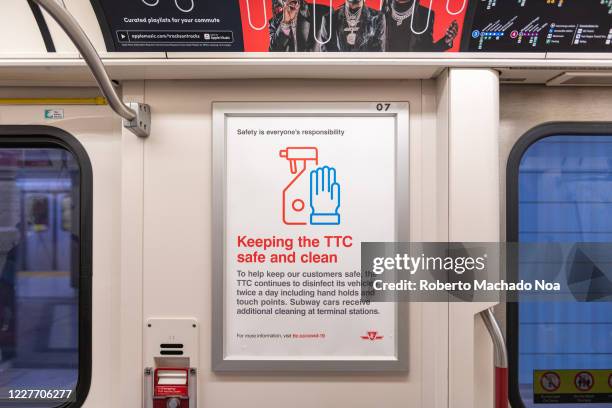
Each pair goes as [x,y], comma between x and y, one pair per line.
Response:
[572,386]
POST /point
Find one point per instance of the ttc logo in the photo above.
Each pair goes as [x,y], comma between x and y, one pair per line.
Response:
[372,336]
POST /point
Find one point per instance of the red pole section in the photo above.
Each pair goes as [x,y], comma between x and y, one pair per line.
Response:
[501,387]
[501,358]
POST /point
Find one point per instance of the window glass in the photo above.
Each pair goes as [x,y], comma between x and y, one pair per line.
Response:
[565,195]
[39,271]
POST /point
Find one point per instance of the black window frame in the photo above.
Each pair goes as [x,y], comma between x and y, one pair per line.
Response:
[523,144]
[30,136]
[42,26]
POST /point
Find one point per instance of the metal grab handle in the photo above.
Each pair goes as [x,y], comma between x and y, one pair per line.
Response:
[147,390]
[193,388]
[137,120]
[500,358]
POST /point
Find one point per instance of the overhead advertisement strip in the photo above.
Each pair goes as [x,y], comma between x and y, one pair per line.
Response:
[362,25]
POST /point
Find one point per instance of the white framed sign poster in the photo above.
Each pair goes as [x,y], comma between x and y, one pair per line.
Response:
[296,188]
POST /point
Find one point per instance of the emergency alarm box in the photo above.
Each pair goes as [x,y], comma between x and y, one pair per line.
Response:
[171,388]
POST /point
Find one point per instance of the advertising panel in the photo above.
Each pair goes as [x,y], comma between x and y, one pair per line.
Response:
[321,26]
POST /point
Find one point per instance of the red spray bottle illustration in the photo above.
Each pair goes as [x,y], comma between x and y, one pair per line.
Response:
[295,209]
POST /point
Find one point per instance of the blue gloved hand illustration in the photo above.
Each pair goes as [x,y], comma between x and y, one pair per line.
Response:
[324,197]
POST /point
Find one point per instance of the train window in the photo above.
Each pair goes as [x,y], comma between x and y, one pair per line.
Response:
[45,268]
[560,190]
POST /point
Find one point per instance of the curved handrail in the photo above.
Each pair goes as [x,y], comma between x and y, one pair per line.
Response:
[500,358]
[137,116]
[90,55]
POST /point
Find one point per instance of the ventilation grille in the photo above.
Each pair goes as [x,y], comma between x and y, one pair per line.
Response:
[170,349]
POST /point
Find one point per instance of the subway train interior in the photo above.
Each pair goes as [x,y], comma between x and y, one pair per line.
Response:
[306,203]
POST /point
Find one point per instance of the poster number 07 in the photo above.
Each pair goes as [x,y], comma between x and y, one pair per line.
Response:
[297,188]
